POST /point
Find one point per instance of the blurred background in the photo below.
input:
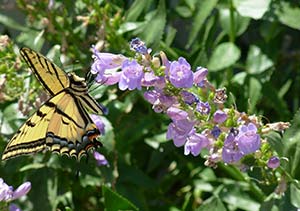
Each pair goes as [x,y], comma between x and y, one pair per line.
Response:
[251,47]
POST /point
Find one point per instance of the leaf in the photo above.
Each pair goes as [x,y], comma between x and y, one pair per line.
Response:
[257,62]
[240,23]
[291,143]
[295,195]
[183,11]
[135,10]
[236,196]
[224,55]
[152,35]
[212,203]
[114,201]
[275,140]
[10,120]
[288,15]
[251,8]
[204,8]
[255,93]
[7,21]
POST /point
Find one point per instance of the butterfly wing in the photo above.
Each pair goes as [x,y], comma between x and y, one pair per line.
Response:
[61,125]
[51,76]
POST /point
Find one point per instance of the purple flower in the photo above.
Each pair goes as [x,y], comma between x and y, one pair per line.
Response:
[220,116]
[139,46]
[203,108]
[22,190]
[179,131]
[230,151]
[149,79]
[101,160]
[195,143]
[248,140]
[131,76]
[98,122]
[14,207]
[200,75]
[273,162]
[159,100]
[216,132]
[110,77]
[188,97]
[180,74]
[176,113]
[104,62]
[7,193]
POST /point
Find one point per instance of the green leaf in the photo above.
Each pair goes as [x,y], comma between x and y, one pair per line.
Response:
[183,11]
[204,8]
[236,196]
[288,15]
[275,140]
[212,203]
[224,55]
[252,8]
[295,195]
[114,201]
[291,143]
[10,119]
[257,62]
[7,21]
[255,93]
[269,30]
[153,36]
[136,9]
[240,23]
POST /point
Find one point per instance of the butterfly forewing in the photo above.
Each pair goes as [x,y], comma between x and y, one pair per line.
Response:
[51,76]
[62,124]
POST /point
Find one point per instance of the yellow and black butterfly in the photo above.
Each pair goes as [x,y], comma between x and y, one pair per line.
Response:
[62,124]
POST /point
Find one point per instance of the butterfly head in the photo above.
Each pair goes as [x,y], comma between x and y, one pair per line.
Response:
[77,82]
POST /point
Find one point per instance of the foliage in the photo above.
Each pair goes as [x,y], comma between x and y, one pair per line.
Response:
[249,46]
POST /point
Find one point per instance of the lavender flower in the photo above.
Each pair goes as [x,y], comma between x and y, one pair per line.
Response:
[7,193]
[179,131]
[273,162]
[150,79]
[176,113]
[248,140]
[188,97]
[104,62]
[101,160]
[216,132]
[139,46]
[195,143]
[220,116]
[180,74]
[159,100]
[131,76]
[203,108]
[14,207]
[200,75]
[230,151]
[98,122]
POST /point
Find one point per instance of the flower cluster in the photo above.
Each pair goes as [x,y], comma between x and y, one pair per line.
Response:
[7,193]
[199,119]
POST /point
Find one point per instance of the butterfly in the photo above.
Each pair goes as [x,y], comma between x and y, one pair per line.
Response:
[62,124]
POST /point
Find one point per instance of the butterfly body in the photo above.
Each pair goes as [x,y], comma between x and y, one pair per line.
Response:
[62,124]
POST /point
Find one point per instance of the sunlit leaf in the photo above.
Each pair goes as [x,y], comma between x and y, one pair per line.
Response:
[224,55]
[252,8]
